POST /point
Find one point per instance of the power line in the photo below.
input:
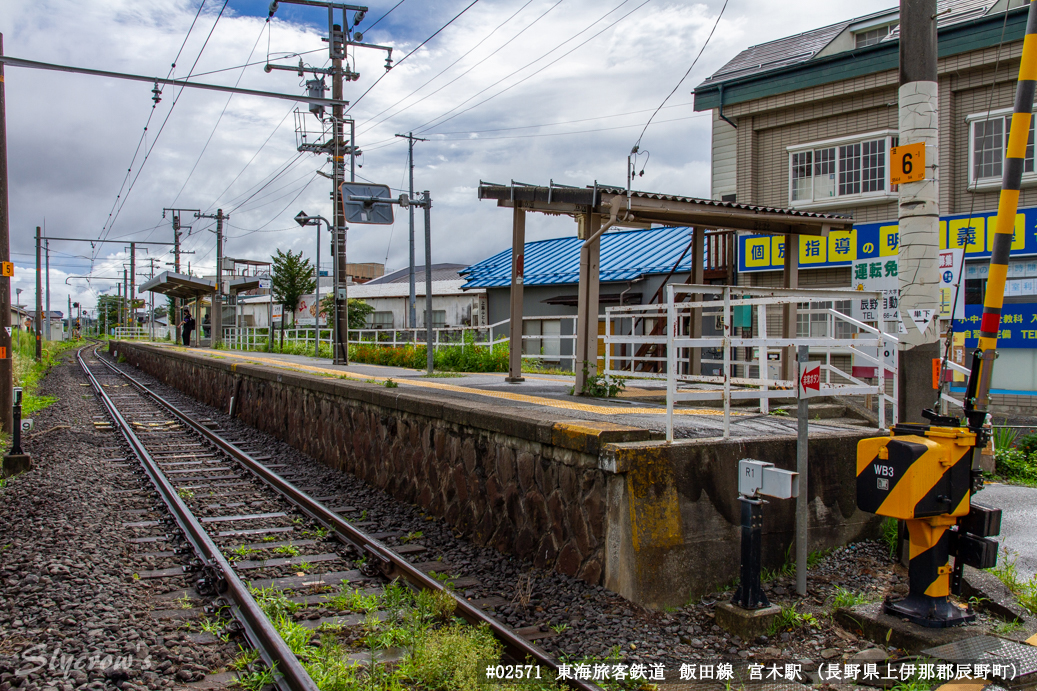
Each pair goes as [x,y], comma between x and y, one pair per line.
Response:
[693,63]
[400,61]
[151,114]
[154,142]
[385,15]
[218,120]
[429,125]
[448,67]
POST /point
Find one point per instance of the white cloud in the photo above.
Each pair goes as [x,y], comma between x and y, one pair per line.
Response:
[72,137]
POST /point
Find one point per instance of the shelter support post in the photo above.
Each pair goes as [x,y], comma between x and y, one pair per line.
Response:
[698,246]
[518,249]
[587,309]
[788,327]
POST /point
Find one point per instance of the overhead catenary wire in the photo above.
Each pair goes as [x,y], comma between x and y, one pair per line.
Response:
[422,129]
[151,114]
[401,60]
[154,142]
[694,62]
[363,126]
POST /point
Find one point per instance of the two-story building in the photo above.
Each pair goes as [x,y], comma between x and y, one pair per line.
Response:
[807,122]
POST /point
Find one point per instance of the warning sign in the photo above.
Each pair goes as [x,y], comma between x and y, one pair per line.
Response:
[809,380]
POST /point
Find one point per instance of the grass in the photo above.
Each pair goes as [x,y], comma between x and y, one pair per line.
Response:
[243,552]
[288,550]
[28,373]
[845,598]
[410,537]
[890,536]
[185,494]
[353,600]
[789,619]
[1025,591]
[1007,628]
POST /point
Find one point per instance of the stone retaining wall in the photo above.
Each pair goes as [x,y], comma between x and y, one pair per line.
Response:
[526,485]
[610,504]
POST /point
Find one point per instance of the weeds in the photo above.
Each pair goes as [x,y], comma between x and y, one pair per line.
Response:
[1004,438]
[450,657]
[599,386]
[256,680]
[1007,628]
[845,598]
[288,550]
[244,659]
[353,600]
[390,384]
[215,628]
[1025,591]
[243,552]
[891,536]
[789,619]
[410,537]
[185,493]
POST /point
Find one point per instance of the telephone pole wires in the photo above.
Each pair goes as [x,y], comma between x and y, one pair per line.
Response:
[412,313]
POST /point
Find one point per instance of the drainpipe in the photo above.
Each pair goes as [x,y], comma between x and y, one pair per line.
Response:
[721,112]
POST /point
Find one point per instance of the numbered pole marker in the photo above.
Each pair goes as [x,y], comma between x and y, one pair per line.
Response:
[907,163]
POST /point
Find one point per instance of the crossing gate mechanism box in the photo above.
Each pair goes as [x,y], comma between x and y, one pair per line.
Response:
[916,475]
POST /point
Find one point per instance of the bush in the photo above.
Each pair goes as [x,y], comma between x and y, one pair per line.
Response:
[1028,444]
[1015,465]
[466,357]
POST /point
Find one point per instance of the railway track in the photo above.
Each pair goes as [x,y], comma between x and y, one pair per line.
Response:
[236,527]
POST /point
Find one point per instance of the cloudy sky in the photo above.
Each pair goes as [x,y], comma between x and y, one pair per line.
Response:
[530,90]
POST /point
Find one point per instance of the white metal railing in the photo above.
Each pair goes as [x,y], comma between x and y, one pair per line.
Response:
[550,347]
[131,332]
[670,353]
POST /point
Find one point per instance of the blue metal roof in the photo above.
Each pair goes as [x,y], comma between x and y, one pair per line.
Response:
[625,255]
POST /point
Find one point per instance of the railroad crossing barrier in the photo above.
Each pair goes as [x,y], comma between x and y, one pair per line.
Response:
[636,346]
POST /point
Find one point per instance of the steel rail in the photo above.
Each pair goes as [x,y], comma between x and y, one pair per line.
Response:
[288,672]
[390,563]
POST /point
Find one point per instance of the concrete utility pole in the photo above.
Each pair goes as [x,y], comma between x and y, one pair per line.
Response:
[6,356]
[340,351]
[174,319]
[39,297]
[919,210]
[133,284]
[429,342]
[410,210]
[216,318]
[46,254]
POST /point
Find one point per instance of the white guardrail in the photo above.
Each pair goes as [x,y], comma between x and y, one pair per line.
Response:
[557,347]
[635,344]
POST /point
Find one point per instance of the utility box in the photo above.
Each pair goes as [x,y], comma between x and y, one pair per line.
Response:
[759,477]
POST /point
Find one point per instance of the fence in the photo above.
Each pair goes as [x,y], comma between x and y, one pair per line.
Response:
[537,346]
[140,332]
[647,351]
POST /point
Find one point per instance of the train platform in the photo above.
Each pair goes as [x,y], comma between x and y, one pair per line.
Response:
[642,404]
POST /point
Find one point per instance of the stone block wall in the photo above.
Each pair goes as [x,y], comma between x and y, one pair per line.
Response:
[525,485]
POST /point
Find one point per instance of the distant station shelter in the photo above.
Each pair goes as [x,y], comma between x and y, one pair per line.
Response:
[190,289]
[598,209]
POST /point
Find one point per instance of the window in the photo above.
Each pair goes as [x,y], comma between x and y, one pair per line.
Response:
[380,320]
[988,139]
[850,168]
[815,324]
[871,36]
[438,318]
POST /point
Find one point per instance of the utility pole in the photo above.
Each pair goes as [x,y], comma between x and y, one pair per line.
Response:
[125,316]
[68,316]
[133,284]
[216,317]
[340,36]
[6,356]
[46,254]
[39,298]
[919,209]
[410,209]
[426,201]
[174,319]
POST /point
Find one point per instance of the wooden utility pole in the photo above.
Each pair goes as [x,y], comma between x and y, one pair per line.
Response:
[919,208]
[6,356]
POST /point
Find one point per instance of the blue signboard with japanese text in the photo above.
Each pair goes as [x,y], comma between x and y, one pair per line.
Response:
[974,233]
[1018,325]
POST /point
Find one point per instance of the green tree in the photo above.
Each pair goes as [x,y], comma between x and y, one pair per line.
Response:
[108,305]
[356,312]
[291,278]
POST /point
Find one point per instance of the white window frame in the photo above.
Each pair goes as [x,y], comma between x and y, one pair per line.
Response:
[994,182]
[886,194]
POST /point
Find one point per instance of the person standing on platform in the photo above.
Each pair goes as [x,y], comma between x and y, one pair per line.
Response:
[187,326]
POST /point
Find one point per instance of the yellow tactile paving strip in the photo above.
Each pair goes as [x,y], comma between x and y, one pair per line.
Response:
[505,395]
